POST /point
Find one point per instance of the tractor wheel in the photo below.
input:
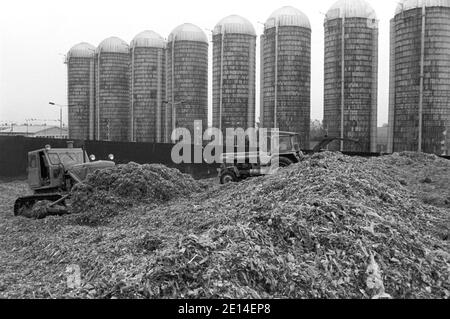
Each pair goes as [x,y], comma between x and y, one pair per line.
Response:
[282,163]
[228,177]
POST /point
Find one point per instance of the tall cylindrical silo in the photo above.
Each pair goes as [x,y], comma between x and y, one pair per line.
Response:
[351,71]
[81,91]
[113,90]
[420,77]
[187,79]
[286,73]
[234,73]
[147,87]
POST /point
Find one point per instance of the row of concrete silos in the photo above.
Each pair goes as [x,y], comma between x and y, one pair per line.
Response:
[186,69]
[350,92]
[118,92]
[419,97]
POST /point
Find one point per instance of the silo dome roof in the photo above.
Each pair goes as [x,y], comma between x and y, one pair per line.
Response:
[235,24]
[288,16]
[351,9]
[81,50]
[405,5]
[188,32]
[148,39]
[113,45]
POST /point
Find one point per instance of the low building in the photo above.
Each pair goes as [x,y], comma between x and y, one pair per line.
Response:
[46,131]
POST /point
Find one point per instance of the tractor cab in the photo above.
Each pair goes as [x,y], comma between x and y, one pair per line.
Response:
[49,169]
[285,144]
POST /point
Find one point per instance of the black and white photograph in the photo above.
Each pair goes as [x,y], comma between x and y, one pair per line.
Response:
[225,155]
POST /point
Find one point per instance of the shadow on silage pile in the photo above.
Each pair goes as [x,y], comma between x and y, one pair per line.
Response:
[107,192]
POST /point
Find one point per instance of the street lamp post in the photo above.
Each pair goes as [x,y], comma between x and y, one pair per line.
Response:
[60,116]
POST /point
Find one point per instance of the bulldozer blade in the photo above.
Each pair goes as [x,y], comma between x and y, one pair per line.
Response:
[24,205]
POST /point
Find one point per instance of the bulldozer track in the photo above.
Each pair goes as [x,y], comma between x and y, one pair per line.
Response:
[29,201]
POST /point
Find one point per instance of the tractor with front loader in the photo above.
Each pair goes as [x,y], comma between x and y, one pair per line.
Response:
[282,150]
[52,173]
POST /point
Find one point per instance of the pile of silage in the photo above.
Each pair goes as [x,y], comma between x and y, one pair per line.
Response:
[105,192]
[330,227]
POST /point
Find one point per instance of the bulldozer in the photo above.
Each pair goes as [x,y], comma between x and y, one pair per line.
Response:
[52,173]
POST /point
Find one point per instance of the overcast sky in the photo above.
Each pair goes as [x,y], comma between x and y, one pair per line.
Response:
[35,36]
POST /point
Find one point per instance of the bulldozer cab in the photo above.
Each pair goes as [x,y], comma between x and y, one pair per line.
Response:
[46,167]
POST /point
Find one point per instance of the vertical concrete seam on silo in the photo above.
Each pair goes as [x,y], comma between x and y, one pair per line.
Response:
[391,121]
[251,83]
[342,82]
[221,77]
[91,97]
[67,62]
[98,95]
[261,80]
[374,110]
[275,110]
[158,98]
[422,62]
[166,111]
[173,109]
[132,121]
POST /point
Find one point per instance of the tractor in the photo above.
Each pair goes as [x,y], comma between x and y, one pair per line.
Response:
[52,173]
[283,149]
[239,166]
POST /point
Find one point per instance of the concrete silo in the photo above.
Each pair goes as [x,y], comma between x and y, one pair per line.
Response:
[113,90]
[234,67]
[419,114]
[286,73]
[147,90]
[187,79]
[351,71]
[81,91]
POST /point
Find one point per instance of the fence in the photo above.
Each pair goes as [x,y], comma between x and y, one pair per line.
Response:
[14,149]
